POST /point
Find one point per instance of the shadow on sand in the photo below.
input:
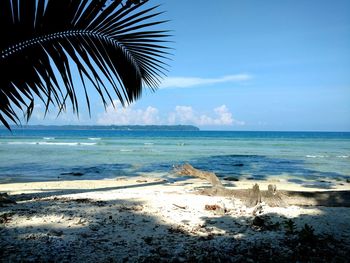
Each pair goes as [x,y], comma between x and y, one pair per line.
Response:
[126,230]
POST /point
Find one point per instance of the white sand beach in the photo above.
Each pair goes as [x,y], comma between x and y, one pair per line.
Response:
[148,220]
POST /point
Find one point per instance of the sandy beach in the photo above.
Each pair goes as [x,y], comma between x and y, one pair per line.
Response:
[156,220]
[174,131]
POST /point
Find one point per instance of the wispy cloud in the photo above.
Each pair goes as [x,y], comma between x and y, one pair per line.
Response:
[188,82]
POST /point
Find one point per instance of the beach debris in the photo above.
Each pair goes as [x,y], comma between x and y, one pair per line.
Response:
[180,206]
[6,217]
[54,232]
[78,200]
[188,169]
[141,181]
[80,221]
[258,209]
[254,196]
[272,197]
[212,207]
[5,199]
[135,208]
[218,210]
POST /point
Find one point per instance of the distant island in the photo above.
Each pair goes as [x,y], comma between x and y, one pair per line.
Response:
[109,127]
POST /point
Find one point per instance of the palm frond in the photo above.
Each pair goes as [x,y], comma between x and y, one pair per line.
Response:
[111,40]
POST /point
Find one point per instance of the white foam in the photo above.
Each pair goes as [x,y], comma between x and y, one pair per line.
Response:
[48,138]
[94,139]
[316,156]
[148,143]
[59,143]
[311,156]
[125,150]
[21,143]
[343,156]
[54,143]
[87,143]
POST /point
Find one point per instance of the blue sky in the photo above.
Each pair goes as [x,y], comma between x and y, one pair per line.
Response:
[246,65]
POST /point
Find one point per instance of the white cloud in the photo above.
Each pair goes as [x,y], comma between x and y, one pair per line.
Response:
[187,82]
[186,115]
[182,114]
[51,117]
[220,116]
[128,115]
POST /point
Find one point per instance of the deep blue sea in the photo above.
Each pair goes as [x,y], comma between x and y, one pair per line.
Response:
[31,155]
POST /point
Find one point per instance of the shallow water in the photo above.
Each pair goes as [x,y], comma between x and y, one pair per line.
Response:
[27,155]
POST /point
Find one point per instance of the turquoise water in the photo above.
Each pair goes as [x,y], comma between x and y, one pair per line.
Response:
[27,155]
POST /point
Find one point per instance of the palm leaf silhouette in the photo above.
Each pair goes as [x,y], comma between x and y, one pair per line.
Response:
[108,41]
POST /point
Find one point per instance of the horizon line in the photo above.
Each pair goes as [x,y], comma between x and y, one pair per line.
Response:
[160,125]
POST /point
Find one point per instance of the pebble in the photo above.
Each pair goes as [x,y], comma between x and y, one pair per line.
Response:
[94,227]
[54,232]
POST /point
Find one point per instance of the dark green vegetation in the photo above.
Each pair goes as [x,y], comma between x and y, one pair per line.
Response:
[111,127]
[112,44]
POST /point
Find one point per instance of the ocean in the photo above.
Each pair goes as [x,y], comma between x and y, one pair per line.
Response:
[46,155]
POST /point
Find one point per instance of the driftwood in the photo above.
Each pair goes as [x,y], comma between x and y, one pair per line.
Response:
[253,197]
[188,169]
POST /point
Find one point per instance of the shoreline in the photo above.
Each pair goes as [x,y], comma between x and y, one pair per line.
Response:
[282,184]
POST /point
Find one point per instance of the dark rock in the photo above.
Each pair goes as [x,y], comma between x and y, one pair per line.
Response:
[5,218]
[231,178]
[6,199]
[73,173]
[57,233]
[94,227]
[141,181]
[238,164]
[258,221]
[324,181]
[148,240]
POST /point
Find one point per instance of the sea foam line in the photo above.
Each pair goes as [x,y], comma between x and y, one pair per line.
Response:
[54,143]
[316,156]
[343,156]
[126,150]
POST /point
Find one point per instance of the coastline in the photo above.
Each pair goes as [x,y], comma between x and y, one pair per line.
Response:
[174,181]
[143,219]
